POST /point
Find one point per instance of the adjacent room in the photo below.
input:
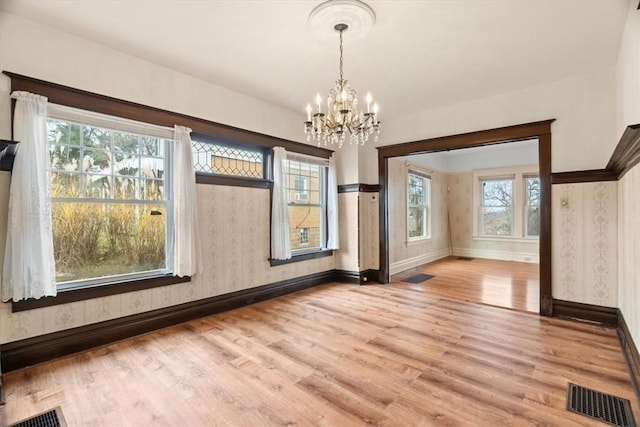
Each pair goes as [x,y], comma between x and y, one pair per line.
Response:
[319,213]
[468,222]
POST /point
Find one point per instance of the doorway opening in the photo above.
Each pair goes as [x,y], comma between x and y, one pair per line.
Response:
[468,219]
[536,130]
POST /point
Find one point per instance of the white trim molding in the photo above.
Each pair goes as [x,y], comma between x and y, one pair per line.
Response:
[406,264]
[500,255]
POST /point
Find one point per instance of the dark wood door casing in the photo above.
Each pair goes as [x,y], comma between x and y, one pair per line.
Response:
[540,130]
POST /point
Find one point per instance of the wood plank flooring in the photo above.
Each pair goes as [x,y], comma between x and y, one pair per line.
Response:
[335,355]
[508,284]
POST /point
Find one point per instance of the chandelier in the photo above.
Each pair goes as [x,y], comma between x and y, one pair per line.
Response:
[342,115]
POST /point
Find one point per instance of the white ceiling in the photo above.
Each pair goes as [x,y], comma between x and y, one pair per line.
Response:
[517,153]
[419,55]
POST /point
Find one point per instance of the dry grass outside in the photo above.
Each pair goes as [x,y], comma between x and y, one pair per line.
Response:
[99,239]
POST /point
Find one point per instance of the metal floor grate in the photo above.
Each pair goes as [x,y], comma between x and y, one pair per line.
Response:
[418,278]
[52,418]
[600,406]
[465,258]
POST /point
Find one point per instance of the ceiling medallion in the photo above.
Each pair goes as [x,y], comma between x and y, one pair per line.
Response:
[342,115]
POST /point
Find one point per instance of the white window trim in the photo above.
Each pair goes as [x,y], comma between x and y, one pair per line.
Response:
[324,167]
[517,225]
[426,174]
[91,118]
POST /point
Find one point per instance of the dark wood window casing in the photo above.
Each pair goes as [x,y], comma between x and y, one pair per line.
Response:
[76,98]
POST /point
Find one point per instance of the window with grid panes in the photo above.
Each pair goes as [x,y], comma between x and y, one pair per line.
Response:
[111,210]
[496,206]
[217,157]
[418,205]
[306,188]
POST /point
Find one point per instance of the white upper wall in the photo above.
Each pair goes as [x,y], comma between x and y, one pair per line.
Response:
[45,53]
[628,72]
[520,153]
[583,135]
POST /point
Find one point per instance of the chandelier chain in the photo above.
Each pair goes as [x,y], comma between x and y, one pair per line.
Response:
[341,63]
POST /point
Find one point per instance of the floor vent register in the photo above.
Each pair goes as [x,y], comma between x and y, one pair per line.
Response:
[609,409]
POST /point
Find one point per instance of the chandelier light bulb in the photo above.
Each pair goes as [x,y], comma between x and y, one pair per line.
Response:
[375,108]
[368,101]
[308,112]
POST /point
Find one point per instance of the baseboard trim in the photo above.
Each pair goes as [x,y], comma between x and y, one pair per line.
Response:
[30,351]
[499,255]
[631,355]
[406,264]
[369,276]
[585,312]
[360,278]
[347,276]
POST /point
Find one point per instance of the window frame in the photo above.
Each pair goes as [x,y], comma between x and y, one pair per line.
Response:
[235,180]
[304,236]
[323,165]
[83,118]
[425,176]
[516,174]
[481,208]
[99,103]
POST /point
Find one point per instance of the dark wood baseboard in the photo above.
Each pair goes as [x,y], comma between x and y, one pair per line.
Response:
[30,351]
[359,278]
[586,312]
[347,276]
[369,276]
[630,352]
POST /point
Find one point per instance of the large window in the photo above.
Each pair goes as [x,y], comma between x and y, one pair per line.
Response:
[306,185]
[418,205]
[496,210]
[110,203]
[507,203]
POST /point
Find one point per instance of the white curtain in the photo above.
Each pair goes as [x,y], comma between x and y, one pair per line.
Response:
[332,206]
[29,264]
[187,257]
[280,243]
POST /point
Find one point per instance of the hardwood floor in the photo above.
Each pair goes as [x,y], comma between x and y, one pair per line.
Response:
[508,284]
[335,355]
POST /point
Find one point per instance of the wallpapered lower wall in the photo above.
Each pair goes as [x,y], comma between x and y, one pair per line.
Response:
[359,242]
[629,250]
[235,229]
[585,242]
[347,256]
[369,214]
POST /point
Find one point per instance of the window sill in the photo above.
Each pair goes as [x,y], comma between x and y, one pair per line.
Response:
[97,291]
[234,181]
[506,239]
[418,240]
[302,257]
